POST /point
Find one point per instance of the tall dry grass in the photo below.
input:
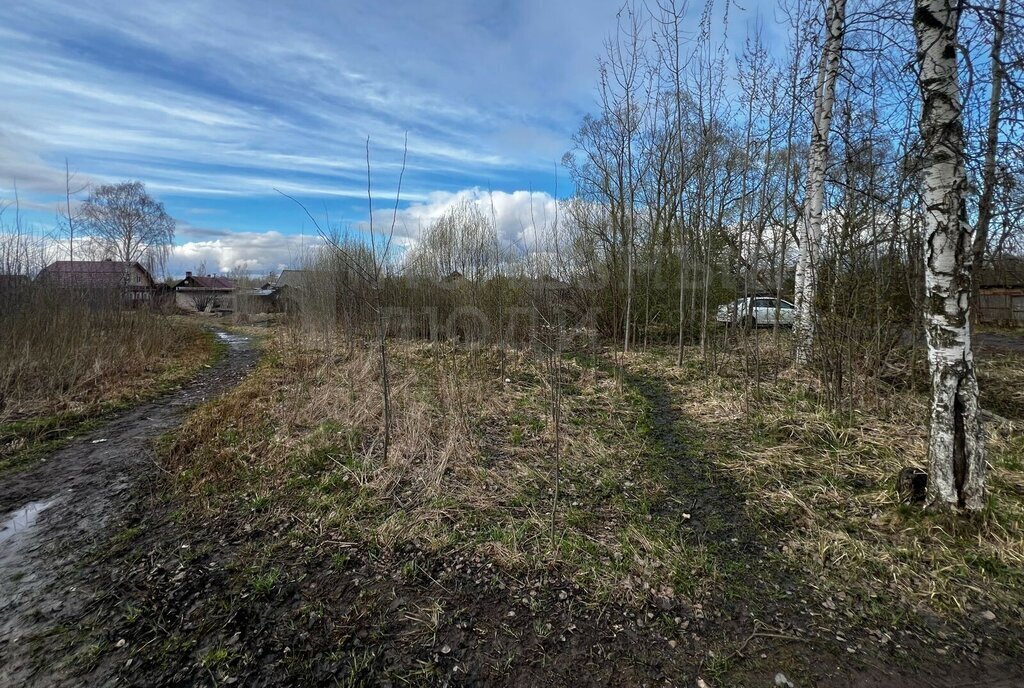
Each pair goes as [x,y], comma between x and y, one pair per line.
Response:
[64,350]
[830,476]
[297,449]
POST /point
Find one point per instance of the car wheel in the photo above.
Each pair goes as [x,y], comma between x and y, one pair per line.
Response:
[748,322]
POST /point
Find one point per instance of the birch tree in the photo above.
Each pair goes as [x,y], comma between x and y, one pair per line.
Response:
[625,95]
[956,452]
[810,230]
[68,216]
[128,223]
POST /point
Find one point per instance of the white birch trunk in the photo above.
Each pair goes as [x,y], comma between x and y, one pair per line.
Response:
[956,452]
[810,227]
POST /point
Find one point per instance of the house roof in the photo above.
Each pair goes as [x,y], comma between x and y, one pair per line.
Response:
[1006,274]
[94,274]
[1004,281]
[549,282]
[208,282]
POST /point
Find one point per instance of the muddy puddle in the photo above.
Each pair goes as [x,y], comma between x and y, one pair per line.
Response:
[233,340]
[24,519]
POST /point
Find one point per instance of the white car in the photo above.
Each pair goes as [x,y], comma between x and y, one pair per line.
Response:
[760,313]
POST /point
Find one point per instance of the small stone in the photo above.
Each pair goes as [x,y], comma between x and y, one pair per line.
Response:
[121,643]
[782,682]
[988,615]
[446,649]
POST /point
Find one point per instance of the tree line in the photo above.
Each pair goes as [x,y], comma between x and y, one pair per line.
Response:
[868,171]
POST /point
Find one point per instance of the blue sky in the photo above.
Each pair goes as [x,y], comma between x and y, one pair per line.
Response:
[214,104]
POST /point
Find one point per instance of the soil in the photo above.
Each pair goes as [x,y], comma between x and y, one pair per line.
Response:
[61,508]
[108,582]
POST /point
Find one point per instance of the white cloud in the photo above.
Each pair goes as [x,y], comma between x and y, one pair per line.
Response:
[249,98]
[256,252]
[524,220]
[522,217]
[212,101]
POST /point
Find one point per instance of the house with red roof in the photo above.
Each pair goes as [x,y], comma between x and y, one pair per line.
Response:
[204,293]
[95,277]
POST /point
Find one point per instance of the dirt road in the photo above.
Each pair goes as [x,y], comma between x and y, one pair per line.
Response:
[54,512]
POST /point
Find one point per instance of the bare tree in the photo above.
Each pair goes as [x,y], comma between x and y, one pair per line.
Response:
[956,451]
[986,206]
[625,95]
[201,301]
[821,122]
[128,223]
[672,14]
[379,263]
[69,217]
[373,274]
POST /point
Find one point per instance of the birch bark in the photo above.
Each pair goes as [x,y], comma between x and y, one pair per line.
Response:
[956,451]
[810,227]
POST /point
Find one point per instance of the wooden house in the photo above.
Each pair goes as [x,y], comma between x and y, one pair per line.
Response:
[1001,294]
[204,293]
[131,281]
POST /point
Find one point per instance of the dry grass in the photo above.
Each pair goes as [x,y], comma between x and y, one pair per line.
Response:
[61,351]
[469,470]
[831,478]
[1001,378]
[297,451]
[65,365]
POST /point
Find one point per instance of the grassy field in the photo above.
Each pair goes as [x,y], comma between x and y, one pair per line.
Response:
[830,478]
[705,526]
[153,354]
